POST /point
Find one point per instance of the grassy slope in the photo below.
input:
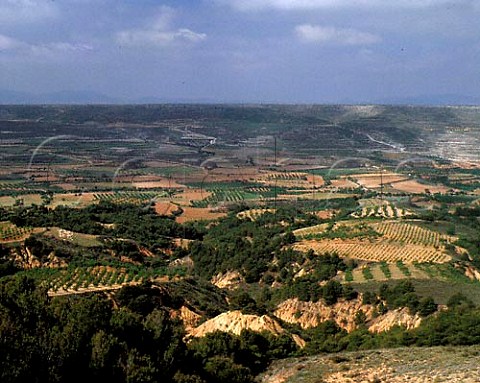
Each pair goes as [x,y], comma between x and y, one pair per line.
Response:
[437,364]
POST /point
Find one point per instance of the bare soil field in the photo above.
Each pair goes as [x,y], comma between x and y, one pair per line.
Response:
[343,183]
[198,213]
[165,208]
[188,195]
[373,181]
[326,214]
[163,183]
[415,187]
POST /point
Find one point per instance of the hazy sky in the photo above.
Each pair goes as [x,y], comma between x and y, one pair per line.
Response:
[313,51]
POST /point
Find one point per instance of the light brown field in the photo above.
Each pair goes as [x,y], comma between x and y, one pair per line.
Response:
[164,183]
[165,208]
[343,183]
[198,213]
[413,186]
[375,180]
[325,214]
[188,195]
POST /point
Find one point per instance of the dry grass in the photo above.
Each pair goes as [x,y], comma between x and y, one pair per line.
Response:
[72,200]
[416,365]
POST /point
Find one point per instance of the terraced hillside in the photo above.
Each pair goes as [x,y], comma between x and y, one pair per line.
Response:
[377,241]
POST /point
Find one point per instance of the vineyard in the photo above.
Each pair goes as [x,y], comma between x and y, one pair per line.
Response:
[382,272]
[224,196]
[9,232]
[84,279]
[287,176]
[131,197]
[375,251]
[311,231]
[410,233]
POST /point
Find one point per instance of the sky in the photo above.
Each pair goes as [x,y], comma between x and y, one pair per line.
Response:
[267,51]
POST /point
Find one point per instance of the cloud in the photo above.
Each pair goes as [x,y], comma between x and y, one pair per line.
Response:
[10,44]
[26,11]
[330,35]
[7,43]
[142,37]
[159,32]
[254,5]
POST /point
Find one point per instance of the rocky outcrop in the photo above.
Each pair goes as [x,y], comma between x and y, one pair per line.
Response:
[343,313]
[189,318]
[235,322]
[472,273]
[398,317]
[311,314]
[27,260]
[227,280]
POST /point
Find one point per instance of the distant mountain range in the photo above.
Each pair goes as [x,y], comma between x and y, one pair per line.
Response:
[91,97]
[62,97]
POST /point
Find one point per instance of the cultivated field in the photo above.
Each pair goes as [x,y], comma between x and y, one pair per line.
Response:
[415,187]
[375,180]
[11,233]
[375,250]
[407,232]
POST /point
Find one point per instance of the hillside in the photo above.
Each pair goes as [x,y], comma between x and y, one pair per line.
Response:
[417,365]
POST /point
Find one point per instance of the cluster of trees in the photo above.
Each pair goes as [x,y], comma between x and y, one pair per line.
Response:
[7,266]
[89,338]
[400,295]
[106,218]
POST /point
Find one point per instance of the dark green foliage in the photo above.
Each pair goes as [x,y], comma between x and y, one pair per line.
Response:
[458,299]
[427,306]
[83,338]
[129,221]
[398,295]
[237,357]
[7,266]
[143,299]
[241,300]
